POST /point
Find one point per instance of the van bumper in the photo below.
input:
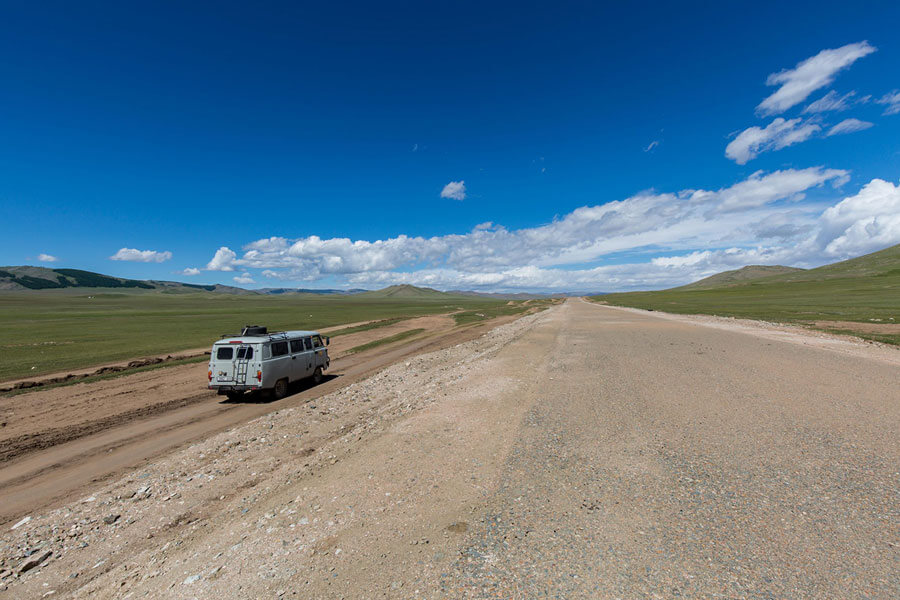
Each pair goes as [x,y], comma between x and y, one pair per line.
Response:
[224,389]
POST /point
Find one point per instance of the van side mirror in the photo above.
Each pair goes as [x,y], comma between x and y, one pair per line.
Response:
[327,341]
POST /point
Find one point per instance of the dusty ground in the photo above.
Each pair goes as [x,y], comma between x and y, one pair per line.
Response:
[582,452]
[57,441]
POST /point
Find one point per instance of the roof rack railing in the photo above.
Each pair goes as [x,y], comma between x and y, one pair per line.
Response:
[271,335]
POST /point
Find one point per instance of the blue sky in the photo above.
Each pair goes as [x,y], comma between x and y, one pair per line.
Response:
[495,146]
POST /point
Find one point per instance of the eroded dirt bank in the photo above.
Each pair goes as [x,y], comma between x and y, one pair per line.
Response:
[581,452]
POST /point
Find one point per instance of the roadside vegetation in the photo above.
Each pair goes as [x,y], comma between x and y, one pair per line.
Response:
[46,331]
[860,296]
[366,327]
[105,376]
[388,340]
[506,308]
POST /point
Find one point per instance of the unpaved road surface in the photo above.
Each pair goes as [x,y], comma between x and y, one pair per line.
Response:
[584,452]
[55,442]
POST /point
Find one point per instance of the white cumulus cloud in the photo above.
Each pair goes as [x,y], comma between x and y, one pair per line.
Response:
[778,134]
[223,260]
[191,271]
[455,190]
[848,126]
[865,222]
[816,72]
[147,256]
[46,257]
[244,278]
[765,217]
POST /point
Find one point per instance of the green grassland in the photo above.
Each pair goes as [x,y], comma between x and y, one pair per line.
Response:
[44,331]
[864,289]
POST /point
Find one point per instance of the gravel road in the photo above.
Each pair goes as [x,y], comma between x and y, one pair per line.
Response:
[584,452]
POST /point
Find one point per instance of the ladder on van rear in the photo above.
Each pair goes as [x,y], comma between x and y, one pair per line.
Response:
[241,365]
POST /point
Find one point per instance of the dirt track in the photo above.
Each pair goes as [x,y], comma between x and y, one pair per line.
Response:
[582,452]
[54,442]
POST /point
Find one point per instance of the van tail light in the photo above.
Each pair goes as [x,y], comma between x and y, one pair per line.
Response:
[209,373]
[259,375]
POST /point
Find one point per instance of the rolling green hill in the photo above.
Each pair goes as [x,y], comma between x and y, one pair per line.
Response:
[407,292]
[859,296]
[41,278]
[738,276]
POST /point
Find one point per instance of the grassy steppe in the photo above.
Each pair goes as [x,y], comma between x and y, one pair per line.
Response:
[56,330]
[863,290]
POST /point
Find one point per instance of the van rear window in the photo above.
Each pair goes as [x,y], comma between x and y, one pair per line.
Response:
[279,348]
[225,353]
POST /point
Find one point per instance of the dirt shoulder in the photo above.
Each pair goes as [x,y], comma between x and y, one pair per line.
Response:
[56,441]
[249,478]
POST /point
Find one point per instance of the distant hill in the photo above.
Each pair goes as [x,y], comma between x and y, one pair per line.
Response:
[27,278]
[877,264]
[883,262]
[407,291]
[42,278]
[738,276]
[517,295]
[859,296]
[325,292]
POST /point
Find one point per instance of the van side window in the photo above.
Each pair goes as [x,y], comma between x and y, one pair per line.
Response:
[317,341]
[245,352]
[224,353]
[296,346]
[308,343]
[279,348]
[266,352]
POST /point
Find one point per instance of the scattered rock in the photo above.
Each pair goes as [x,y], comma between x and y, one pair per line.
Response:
[110,519]
[20,523]
[33,562]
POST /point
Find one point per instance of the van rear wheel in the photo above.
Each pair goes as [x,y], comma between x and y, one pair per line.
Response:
[317,376]
[281,389]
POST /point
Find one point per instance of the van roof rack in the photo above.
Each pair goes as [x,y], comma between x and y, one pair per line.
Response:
[271,335]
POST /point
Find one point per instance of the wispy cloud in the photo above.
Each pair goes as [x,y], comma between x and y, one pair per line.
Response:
[848,126]
[778,134]
[190,271]
[651,146]
[147,256]
[892,101]
[455,190]
[47,257]
[830,102]
[816,72]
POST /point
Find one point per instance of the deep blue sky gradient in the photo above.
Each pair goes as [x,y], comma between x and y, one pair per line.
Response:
[184,128]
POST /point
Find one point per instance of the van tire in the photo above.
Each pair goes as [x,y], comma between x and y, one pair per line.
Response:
[281,389]
[317,376]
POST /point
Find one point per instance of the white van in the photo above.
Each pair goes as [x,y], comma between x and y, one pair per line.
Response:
[258,360]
